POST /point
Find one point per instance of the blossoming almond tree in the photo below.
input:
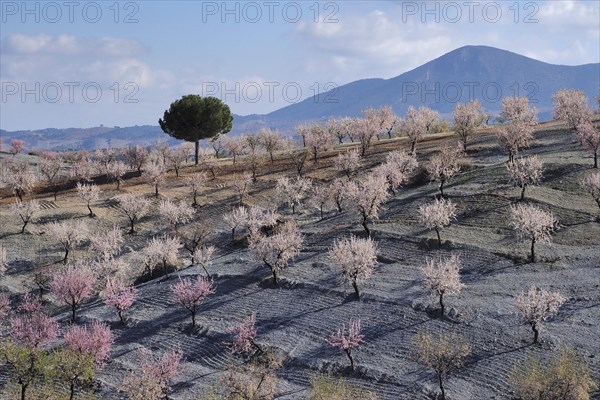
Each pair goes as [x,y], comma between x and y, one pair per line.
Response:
[133,208]
[73,285]
[16,146]
[190,293]
[367,198]
[348,162]
[467,118]
[524,172]
[195,182]
[591,183]
[154,377]
[244,335]
[532,223]
[444,165]
[348,340]
[154,174]
[202,256]
[442,277]
[95,339]
[50,164]
[89,194]
[160,251]
[536,306]
[68,233]
[119,296]
[293,191]
[355,257]
[437,215]
[571,105]
[25,211]
[106,244]
[175,213]
[521,119]
[589,137]
[277,250]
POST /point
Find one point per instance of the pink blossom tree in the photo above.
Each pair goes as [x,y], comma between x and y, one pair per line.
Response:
[16,146]
[195,182]
[348,162]
[95,339]
[50,164]
[293,191]
[73,285]
[191,293]
[136,156]
[176,213]
[367,198]
[524,172]
[348,340]
[591,183]
[68,233]
[571,105]
[336,129]
[444,165]
[442,277]
[276,251]
[533,223]
[25,211]
[396,168]
[437,215]
[154,377]
[355,257]
[244,335]
[119,296]
[89,194]
[521,119]
[154,174]
[589,137]
[467,118]
[134,208]
[31,331]
[536,306]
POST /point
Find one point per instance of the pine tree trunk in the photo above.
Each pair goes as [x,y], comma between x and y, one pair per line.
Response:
[196,150]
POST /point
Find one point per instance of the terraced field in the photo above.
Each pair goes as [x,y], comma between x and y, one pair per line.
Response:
[295,317]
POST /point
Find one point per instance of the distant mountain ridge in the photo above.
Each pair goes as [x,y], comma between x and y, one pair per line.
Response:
[481,72]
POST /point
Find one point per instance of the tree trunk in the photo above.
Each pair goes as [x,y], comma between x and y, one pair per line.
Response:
[156,190]
[196,150]
[193,317]
[66,255]
[441,383]
[72,391]
[73,308]
[442,303]
[523,192]
[195,203]
[293,208]
[595,159]
[437,230]
[271,155]
[118,184]
[413,145]
[120,314]
[23,389]
[364,224]
[349,354]
[24,225]
[91,214]
[275,280]
[132,221]
[321,210]
[536,333]
[356,292]
[55,193]
[442,187]
[533,250]
[233,234]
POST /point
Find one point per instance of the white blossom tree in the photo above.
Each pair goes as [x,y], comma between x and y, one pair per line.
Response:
[397,167]
[276,250]
[524,172]
[293,191]
[348,162]
[367,198]
[521,119]
[25,210]
[532,223]
[195,182]
[589,137]
[88,193]
[176,213]
[444,165]
[467,118]
[154,174]
[68,233]
[133,208]
[437,215]
[355,257]
[571,105]
[442,277]
[536,306]
[591,183]
[107,244]
[163,251]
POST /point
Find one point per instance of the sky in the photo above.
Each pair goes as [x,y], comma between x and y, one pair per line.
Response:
[90,63]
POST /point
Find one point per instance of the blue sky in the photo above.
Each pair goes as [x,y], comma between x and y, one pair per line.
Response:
[83,64]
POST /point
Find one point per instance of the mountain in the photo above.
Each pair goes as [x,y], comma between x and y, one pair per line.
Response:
[480,72]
